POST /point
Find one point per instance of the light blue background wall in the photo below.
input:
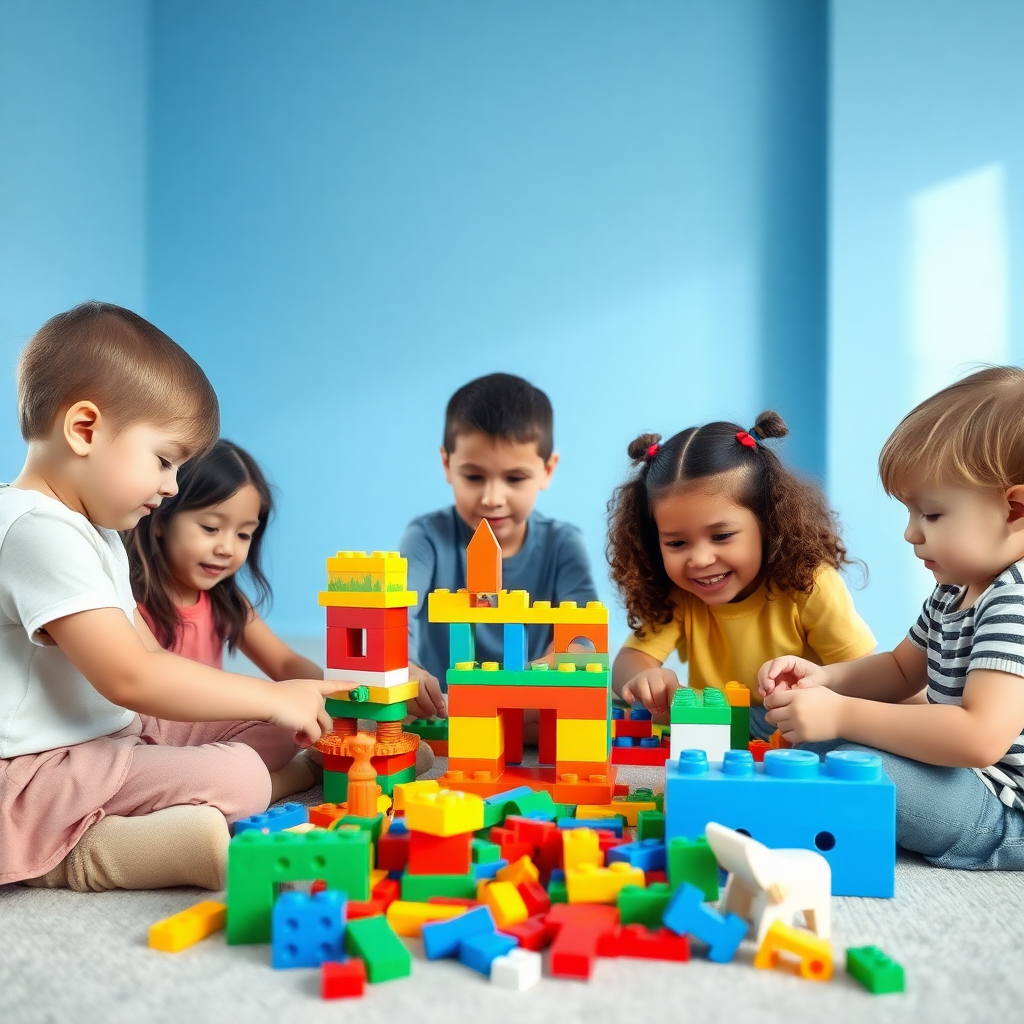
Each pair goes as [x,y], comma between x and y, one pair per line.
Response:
[346,211]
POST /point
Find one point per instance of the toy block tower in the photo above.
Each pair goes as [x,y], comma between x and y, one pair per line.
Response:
[487,701]
[368,644]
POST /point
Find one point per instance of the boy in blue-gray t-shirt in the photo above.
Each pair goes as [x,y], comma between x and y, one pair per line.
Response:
[498,454]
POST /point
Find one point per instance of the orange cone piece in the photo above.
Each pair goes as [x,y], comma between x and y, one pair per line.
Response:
[483,561]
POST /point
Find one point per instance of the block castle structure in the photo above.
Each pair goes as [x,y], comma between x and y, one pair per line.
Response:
[368,643]
[486,701]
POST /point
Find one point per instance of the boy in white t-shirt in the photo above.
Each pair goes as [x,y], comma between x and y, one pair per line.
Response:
[119,762]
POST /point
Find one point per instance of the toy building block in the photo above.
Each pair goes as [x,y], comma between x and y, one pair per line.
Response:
[488,872]
[520,870]
[874,970]
[702,720]
[483,561]
[475,737]
[642,943]
[507,905]
[535,897]
[645,854]
[582,740]
[483,851]
[487,701]
[844,808]
[581,846]
[187,927]
[258,863]
[461,644]
[650,825]
[580,927]
[420,888]
[687,913]
[342,980]
[534,933]
[765,885]
[627,808]
[419,786]
[518,969]
[442,938]
[378,682]
[758,748]
[479,951]
[307,930]
[588,883]
[782,941]
[407,918]
[693,861]
[439,855]
[368,650]
[638,905]
[615,824]
[372,940]
[737,697]
[581,659]
[445,813]
[592,676]
[513,606]
[276,819]
[514,656]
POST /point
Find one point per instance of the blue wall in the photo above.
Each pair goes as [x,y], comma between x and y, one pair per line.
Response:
[927,158]
[73,110]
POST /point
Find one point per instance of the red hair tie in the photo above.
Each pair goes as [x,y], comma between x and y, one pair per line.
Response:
[744,438]
[653,450]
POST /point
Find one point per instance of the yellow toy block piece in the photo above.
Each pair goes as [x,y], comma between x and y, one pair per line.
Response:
[360,561]
[303,826]
[519,871]
[588,883]
[581,846]
[377,875]
[579,739]
[507,906]
[188,927]
[813,955]
[628,809]
[737,695]
[383,694]
[447,813]
[408,918]
[403,788]
[366,599]
[513,606]
[475,737]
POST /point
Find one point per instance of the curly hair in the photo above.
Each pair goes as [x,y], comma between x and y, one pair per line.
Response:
[799,532]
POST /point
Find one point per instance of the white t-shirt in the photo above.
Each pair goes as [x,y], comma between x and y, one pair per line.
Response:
[53,562]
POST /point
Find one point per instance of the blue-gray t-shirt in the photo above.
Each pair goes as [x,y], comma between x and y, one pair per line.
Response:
[552,565]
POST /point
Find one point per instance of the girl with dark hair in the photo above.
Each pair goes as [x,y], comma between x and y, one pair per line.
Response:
[726,556]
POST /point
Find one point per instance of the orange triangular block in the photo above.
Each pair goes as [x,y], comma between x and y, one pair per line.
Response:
[483,561]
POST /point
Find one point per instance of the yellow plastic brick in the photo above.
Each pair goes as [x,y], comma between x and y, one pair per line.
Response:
[408,918]
[447,813]
[421,786]
[581,846]
[188,927]
[519,871]
[506,904]
[588,883]
[475,737]
[579,739]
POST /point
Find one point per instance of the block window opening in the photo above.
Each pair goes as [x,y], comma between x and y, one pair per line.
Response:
[355,643]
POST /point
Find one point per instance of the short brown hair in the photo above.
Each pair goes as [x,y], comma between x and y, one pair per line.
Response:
[969,433]
[134,373]
[503,407]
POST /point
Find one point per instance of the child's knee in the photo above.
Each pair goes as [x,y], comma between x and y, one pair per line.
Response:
[241,786]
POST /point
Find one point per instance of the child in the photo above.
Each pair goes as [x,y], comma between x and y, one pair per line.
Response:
[498,455]
[97,789]
[957,463]
[723,554]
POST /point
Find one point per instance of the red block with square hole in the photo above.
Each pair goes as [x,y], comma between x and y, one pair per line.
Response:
[340,981]
[367,650]
[439,855]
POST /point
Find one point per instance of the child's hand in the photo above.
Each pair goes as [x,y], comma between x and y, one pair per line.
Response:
[653,688]
[429,703]
[805,716]
[789,672]
[298,704]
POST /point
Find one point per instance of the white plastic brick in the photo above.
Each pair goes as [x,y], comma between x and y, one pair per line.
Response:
[520,969]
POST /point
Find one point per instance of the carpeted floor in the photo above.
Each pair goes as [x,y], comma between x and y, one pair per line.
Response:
[70,957]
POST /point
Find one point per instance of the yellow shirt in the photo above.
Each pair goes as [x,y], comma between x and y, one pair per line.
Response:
[732,641]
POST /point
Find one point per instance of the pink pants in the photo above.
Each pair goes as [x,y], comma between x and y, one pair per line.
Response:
[47,800]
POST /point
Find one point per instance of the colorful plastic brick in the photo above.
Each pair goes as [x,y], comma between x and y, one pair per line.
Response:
[642,943]
[588,883]
[187,927]
[258,863]
[693,861]
[514,657]
[644,906]
[441,938]
[518,969]
[420,888]
[507,905]
[645,854]
[874,970]
[650,825]
[843,808]
[408,918]
[372,940]
[615,824]
[479,951]
[446,813]
[342,980]
[439,855]
[783,942]
[521,870]
[701,719]
[580,928]
[276,819]
[307,930]
[687,914]
[581,846]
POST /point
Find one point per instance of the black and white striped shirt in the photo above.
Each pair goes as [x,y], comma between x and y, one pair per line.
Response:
[988,635]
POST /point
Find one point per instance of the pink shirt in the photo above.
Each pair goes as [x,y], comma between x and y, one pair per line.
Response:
[199,640]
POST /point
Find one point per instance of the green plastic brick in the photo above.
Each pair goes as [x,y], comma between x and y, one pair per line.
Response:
[419,888]
[691,860]
[700,707]
[557,891]
[739,733]
[372,825]
[650,825]
[428,728]
[372,940]
[581,661]
[874,970]
[258,863]
[537,805]
[647,796]
[336,784]
[644,906]
[536,675]
[484,852]
[365,710]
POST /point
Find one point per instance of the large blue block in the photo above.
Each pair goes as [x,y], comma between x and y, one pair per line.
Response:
[277,819]
[844,808]
[479,951]
[307,930]
[686,913]
[442,938]
[513,648]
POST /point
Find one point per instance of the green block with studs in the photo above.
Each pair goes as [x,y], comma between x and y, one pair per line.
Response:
[699,707]
[874,970]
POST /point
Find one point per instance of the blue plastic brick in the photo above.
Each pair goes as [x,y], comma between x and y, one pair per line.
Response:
[480,950]
[461,643]
[277,819]
[398,827]
[639,714]
[624,741]
[442,938]
[479,871]
[307,930]
[844,808]
[650,741]
[687,914]
[608,824]
[513,647]
[645,854]
[618,713]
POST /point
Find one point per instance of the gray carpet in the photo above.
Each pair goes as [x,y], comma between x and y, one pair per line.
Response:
[70,957]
